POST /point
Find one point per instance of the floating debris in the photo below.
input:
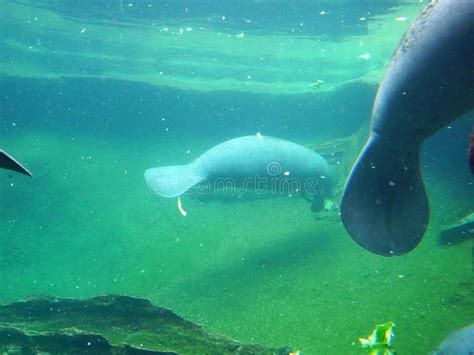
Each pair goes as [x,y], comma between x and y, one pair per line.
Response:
[316,84]
[180,208]
[365,56]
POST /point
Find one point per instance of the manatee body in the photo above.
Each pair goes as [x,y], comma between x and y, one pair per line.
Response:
[458,343]
[246,162]
[429,83]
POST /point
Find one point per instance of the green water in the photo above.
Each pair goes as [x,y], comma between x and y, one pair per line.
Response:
[259,270]
[251,51]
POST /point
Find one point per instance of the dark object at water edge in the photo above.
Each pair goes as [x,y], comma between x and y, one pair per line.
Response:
[10,163]
[108,324]
[458,232]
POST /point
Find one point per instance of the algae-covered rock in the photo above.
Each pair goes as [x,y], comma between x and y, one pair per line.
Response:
[15,341]
[108,325]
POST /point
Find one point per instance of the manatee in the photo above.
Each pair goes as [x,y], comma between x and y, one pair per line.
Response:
[428,84]
[10,163]
[460,342]
[262,162]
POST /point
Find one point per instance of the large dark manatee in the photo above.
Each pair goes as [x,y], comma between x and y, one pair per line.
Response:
[429,83]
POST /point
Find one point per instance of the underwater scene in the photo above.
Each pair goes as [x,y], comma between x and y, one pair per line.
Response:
[127,112]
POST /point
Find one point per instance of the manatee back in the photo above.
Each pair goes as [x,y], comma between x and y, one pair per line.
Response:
[245,157]
[429,81]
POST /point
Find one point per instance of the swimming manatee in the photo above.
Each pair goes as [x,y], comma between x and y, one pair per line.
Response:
[259,162]
[10,163]
[429,83]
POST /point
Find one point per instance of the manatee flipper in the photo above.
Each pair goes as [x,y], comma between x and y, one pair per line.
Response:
[10,163]
[317,204]
[172,181]
[385,206]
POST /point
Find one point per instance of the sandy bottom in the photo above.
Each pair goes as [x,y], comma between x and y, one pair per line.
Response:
[262,270]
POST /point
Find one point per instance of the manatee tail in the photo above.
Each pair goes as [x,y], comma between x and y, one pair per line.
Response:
[172,181]
[384,206]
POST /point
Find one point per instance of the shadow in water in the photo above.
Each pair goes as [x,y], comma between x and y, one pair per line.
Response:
[311,252]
